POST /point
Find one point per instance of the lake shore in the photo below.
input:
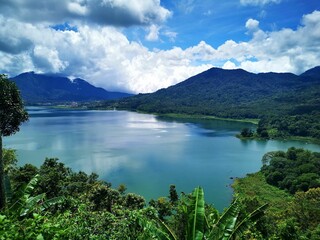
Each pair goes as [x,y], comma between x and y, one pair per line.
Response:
[289,138]
[199,117]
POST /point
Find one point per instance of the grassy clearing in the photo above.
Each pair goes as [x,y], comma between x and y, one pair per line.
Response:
[206,117]
[255,185]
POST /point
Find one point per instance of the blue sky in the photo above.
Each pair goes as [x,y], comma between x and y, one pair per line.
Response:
[143,45]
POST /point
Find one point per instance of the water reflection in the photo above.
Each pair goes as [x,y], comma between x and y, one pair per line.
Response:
[145,152]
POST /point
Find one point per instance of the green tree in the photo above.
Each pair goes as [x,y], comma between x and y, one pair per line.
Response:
[198,224]
[9,159]
[307,208]
[163,207]
[246,132]
[12,114]
[53,178]
[173,194]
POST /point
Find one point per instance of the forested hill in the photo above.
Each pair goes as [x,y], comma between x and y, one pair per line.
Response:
[42,88]
[234,94]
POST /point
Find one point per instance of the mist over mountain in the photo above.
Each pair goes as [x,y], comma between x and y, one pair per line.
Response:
[45,88]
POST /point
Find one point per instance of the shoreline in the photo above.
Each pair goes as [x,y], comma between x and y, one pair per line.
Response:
[195,117]
[289,138]
[205,117]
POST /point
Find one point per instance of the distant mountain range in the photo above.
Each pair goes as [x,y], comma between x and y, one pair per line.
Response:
[42,88]
[233,94]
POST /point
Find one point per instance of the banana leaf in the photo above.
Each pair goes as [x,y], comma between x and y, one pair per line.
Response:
[196,218]
[247,221]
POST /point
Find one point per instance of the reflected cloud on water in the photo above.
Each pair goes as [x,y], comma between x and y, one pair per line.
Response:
[143,151]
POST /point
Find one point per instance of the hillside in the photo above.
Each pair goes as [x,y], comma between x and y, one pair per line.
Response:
[287,105]
[41,88]
[232,93]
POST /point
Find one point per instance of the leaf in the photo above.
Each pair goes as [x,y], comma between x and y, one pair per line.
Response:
[8,187]
[247,221]
[31,204]
[226,223]
[169,230]
[52,201]
[40,237]
[30,186]
[151,229]
[196,215]
[2,217]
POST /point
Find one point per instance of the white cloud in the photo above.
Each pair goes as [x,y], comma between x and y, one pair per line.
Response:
[171,35]
[77,9]
[104,56]
[258,2]
[46,59]
[252,24]
[285,50]
[153,34]
[107,12]
[229,65]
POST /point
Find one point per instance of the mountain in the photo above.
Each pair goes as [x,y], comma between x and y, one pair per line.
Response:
[232,93]
[313,72]
[42,88]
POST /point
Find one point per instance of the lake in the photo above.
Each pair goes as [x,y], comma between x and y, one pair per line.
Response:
[145,152]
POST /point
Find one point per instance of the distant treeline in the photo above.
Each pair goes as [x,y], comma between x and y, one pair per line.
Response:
[288,105]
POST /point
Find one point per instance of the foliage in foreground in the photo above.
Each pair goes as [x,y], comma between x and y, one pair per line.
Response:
[53,202]
[12,114]
[289,215]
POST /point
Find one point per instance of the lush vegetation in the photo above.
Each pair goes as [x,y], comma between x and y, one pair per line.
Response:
[12,114]
[304,126]
[287,104]
[294,209]
[294,170]
[54,202]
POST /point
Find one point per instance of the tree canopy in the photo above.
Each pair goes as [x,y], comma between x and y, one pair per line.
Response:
[12,114]
[294,170]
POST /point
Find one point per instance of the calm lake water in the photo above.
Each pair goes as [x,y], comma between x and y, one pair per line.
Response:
[145,152]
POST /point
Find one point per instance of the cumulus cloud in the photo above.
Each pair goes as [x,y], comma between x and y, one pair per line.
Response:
[153,34]
[252,24]
[47,59]
[108,12]
[103,55]
[258,2]
[229,65]
[279,51]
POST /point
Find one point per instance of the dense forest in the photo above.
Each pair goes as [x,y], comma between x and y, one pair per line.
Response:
[290,182]
[288,104]
[294,170]
[54,202]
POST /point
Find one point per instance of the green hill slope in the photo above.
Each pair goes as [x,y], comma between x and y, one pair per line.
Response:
[42,88]
[232,94]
